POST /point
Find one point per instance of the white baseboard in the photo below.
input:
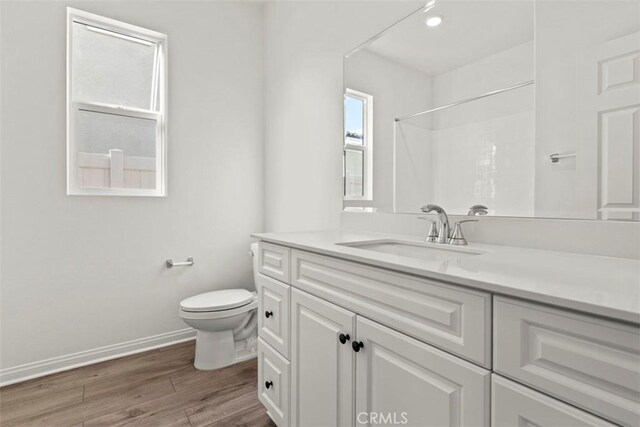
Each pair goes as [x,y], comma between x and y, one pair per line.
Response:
[63,363]
[241,357]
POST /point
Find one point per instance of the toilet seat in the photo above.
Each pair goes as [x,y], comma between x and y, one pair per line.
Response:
[222,300]
[220,314]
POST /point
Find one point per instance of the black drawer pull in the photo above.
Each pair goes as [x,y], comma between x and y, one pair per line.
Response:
[268,384]
[344,338]
[268,314]
[357,345]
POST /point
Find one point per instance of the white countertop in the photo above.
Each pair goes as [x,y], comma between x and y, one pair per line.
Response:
[598,285]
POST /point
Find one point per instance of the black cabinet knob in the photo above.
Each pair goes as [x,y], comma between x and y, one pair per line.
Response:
[268,314]
[268,384]
[344,338]
[357,345]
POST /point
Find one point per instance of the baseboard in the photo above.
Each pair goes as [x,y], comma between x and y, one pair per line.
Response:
[63,363]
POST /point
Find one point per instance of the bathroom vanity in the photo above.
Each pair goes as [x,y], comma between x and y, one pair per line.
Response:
[524,109]
[359,328]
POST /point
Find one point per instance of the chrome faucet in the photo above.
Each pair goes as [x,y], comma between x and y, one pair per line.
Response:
[443,233]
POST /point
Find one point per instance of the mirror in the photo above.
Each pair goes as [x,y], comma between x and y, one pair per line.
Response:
[531,108]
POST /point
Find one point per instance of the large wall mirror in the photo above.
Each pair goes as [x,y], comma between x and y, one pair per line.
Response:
[531,108]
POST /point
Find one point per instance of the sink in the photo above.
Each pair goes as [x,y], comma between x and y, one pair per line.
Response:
[424,251]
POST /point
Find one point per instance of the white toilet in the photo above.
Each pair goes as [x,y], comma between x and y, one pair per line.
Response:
[226,324]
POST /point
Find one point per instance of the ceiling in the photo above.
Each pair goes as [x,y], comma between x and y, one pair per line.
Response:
[470,30]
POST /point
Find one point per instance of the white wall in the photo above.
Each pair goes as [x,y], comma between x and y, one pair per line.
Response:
[397,91]
[84,272]
[304,45]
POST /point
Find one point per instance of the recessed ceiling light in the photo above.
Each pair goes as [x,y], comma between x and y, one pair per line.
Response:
[429,6]
[433,21]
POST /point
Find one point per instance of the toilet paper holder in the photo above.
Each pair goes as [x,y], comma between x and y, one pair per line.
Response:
[188,263]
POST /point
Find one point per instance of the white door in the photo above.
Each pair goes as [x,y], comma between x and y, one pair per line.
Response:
[609,117]
[400,380]
[322,362]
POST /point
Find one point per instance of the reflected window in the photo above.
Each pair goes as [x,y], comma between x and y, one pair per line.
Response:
[358,145]
[116,107]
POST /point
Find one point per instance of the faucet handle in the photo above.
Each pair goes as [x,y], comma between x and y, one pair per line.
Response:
[432,235]
[457,238]
[478,210]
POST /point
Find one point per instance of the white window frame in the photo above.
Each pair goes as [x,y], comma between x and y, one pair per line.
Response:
[160,116]
[366,147]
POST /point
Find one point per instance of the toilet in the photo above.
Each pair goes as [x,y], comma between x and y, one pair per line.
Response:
[226,324]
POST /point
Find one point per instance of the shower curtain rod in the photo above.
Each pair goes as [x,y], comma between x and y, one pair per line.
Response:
[495,92]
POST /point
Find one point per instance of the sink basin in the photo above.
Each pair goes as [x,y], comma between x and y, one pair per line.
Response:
[424,251]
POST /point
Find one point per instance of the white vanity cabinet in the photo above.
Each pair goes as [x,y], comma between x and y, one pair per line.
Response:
[387,376]
[348,344]
[397,378]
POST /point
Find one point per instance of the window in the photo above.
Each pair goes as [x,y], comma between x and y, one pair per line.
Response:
[358,146]
[116,103]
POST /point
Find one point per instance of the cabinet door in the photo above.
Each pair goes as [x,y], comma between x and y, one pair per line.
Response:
[322,366]
[400,380]
[517,405]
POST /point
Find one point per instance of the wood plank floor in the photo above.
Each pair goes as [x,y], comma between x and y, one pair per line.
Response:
[156,388]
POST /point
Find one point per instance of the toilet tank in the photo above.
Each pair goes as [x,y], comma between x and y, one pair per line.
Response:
[254,257]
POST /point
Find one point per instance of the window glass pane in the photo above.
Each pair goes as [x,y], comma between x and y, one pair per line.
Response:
[354,168]
[100,132]
[354,120]
[115,151]
[112,69]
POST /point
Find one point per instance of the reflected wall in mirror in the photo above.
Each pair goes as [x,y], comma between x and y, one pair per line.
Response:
[531,108]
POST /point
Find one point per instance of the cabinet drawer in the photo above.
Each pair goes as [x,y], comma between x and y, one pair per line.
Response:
[517,405]
[273,383]
[273,313]
[273,261]
[452,318]
[586,361]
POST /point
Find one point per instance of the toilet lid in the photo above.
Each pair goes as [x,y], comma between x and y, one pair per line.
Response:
[217,300]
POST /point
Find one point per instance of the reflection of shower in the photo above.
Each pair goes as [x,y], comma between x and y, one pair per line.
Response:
[464,101]
[479,152]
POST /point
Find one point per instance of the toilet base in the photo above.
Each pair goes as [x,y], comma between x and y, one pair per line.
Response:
[214,350]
